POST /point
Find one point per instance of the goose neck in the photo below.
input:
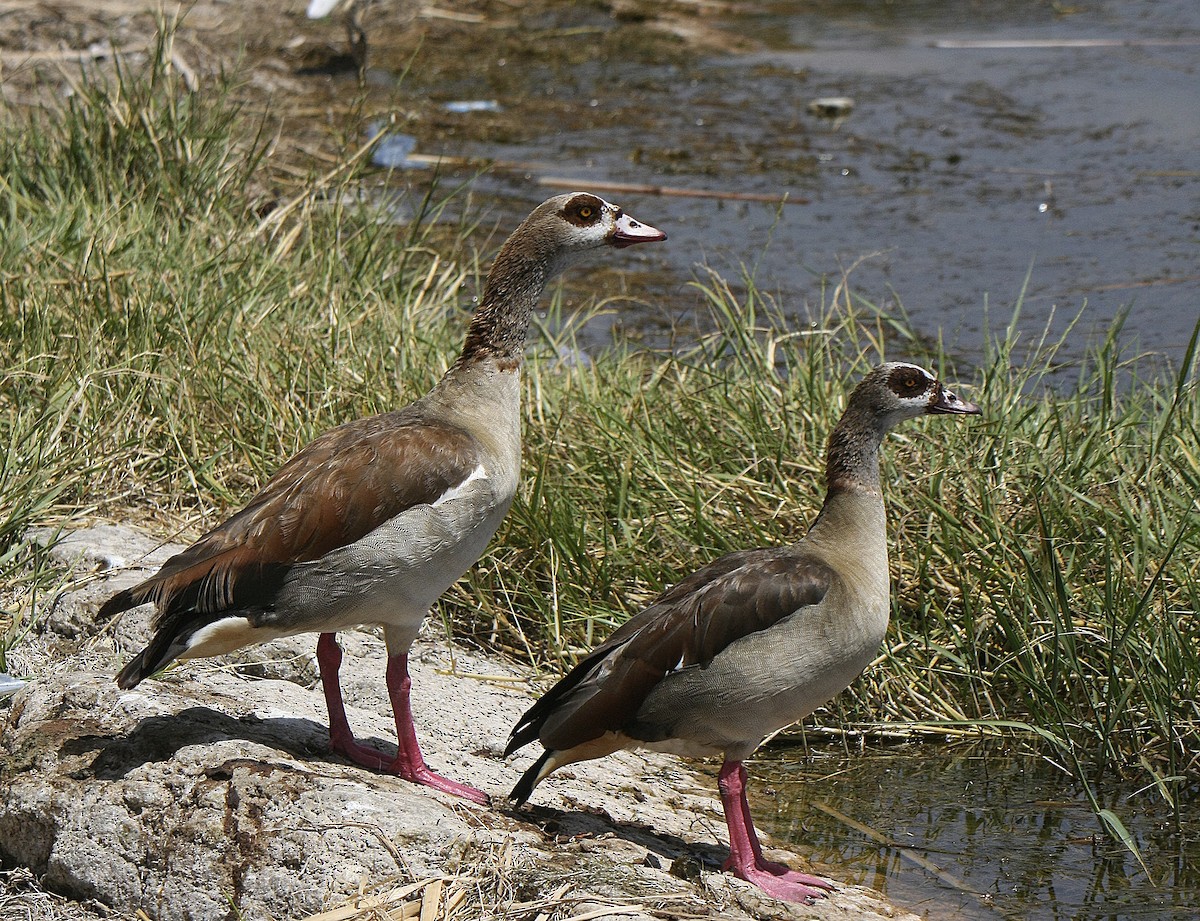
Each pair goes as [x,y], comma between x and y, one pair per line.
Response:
[852,459]
[501,322]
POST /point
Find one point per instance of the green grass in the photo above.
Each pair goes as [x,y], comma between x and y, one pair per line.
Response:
[162,345]
[171,331]
[1044,557]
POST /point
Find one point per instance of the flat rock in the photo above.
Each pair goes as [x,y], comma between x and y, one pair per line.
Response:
[208,793]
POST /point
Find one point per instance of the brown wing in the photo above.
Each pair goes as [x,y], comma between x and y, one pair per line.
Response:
[336,490]
[688,625]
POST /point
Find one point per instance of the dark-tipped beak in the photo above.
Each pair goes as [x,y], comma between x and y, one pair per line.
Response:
[628,232]
[948,402]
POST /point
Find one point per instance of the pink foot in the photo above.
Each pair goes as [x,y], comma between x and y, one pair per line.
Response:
[790,886]
[746,859]
[428,778]
[408,762]
[781,881]
[375,760]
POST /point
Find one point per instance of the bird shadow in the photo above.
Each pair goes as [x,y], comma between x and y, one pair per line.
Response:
[159,738]
[594,822]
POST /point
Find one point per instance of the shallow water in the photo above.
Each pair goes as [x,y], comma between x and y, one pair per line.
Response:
[960,171]
[977,833]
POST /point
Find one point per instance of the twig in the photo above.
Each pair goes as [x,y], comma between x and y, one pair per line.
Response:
[435,12]
[631,188]
[606,911]
[454,901]
[999,43]
[634,188]
[919,859]
[359,905]
[431,901]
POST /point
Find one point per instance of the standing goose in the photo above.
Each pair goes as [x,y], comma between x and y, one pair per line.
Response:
[754,641]
[373,520]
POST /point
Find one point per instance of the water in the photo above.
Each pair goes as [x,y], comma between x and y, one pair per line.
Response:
[961,172]
[979,833]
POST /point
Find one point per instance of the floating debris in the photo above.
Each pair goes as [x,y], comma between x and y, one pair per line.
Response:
[473,105]
[392,151]
[9,685]
[831,107]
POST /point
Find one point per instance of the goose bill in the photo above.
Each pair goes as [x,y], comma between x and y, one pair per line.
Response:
[628,232]
[948,402]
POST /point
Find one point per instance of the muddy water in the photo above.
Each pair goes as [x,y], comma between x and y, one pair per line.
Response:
[977,834]
[991,142]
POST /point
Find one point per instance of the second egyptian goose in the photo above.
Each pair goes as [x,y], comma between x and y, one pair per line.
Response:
[373,520]
[752,642]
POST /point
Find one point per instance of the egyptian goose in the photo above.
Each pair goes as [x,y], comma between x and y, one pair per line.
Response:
[753,641]
[373,520]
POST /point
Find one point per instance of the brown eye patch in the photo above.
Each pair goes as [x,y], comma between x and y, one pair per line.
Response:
[908,382]
[583,210]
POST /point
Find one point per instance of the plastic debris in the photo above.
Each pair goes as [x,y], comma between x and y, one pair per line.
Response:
[392,150]
[570,357]
[831,107]
[9,685]
[473,105]
[319,9]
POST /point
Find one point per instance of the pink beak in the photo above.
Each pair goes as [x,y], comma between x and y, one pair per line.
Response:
[628,232]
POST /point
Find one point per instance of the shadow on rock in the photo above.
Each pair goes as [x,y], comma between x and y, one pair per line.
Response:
[159,738]
[559,825]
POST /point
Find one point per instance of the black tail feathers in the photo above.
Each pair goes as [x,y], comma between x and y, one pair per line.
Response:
[520,793]
[133,673]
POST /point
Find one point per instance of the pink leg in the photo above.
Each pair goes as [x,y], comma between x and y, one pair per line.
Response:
[341,739]
[745,853]
[408,763]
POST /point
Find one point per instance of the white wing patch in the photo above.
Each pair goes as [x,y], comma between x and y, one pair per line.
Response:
[318,9]
[455,491]
[222,636]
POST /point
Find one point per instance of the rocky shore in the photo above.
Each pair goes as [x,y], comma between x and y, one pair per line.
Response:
[208,793]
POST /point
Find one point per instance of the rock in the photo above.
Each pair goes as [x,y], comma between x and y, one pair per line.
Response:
[125,556]
[207,794]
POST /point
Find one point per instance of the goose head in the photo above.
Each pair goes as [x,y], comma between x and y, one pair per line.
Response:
[565,227]
[557,233]
[897,390]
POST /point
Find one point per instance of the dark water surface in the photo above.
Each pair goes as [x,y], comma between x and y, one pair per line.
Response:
[961,170]
[978,833]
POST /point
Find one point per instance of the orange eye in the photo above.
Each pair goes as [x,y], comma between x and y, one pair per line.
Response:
[586,212]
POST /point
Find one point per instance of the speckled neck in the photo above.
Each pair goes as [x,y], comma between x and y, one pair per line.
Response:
[852,457]
[516,281]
